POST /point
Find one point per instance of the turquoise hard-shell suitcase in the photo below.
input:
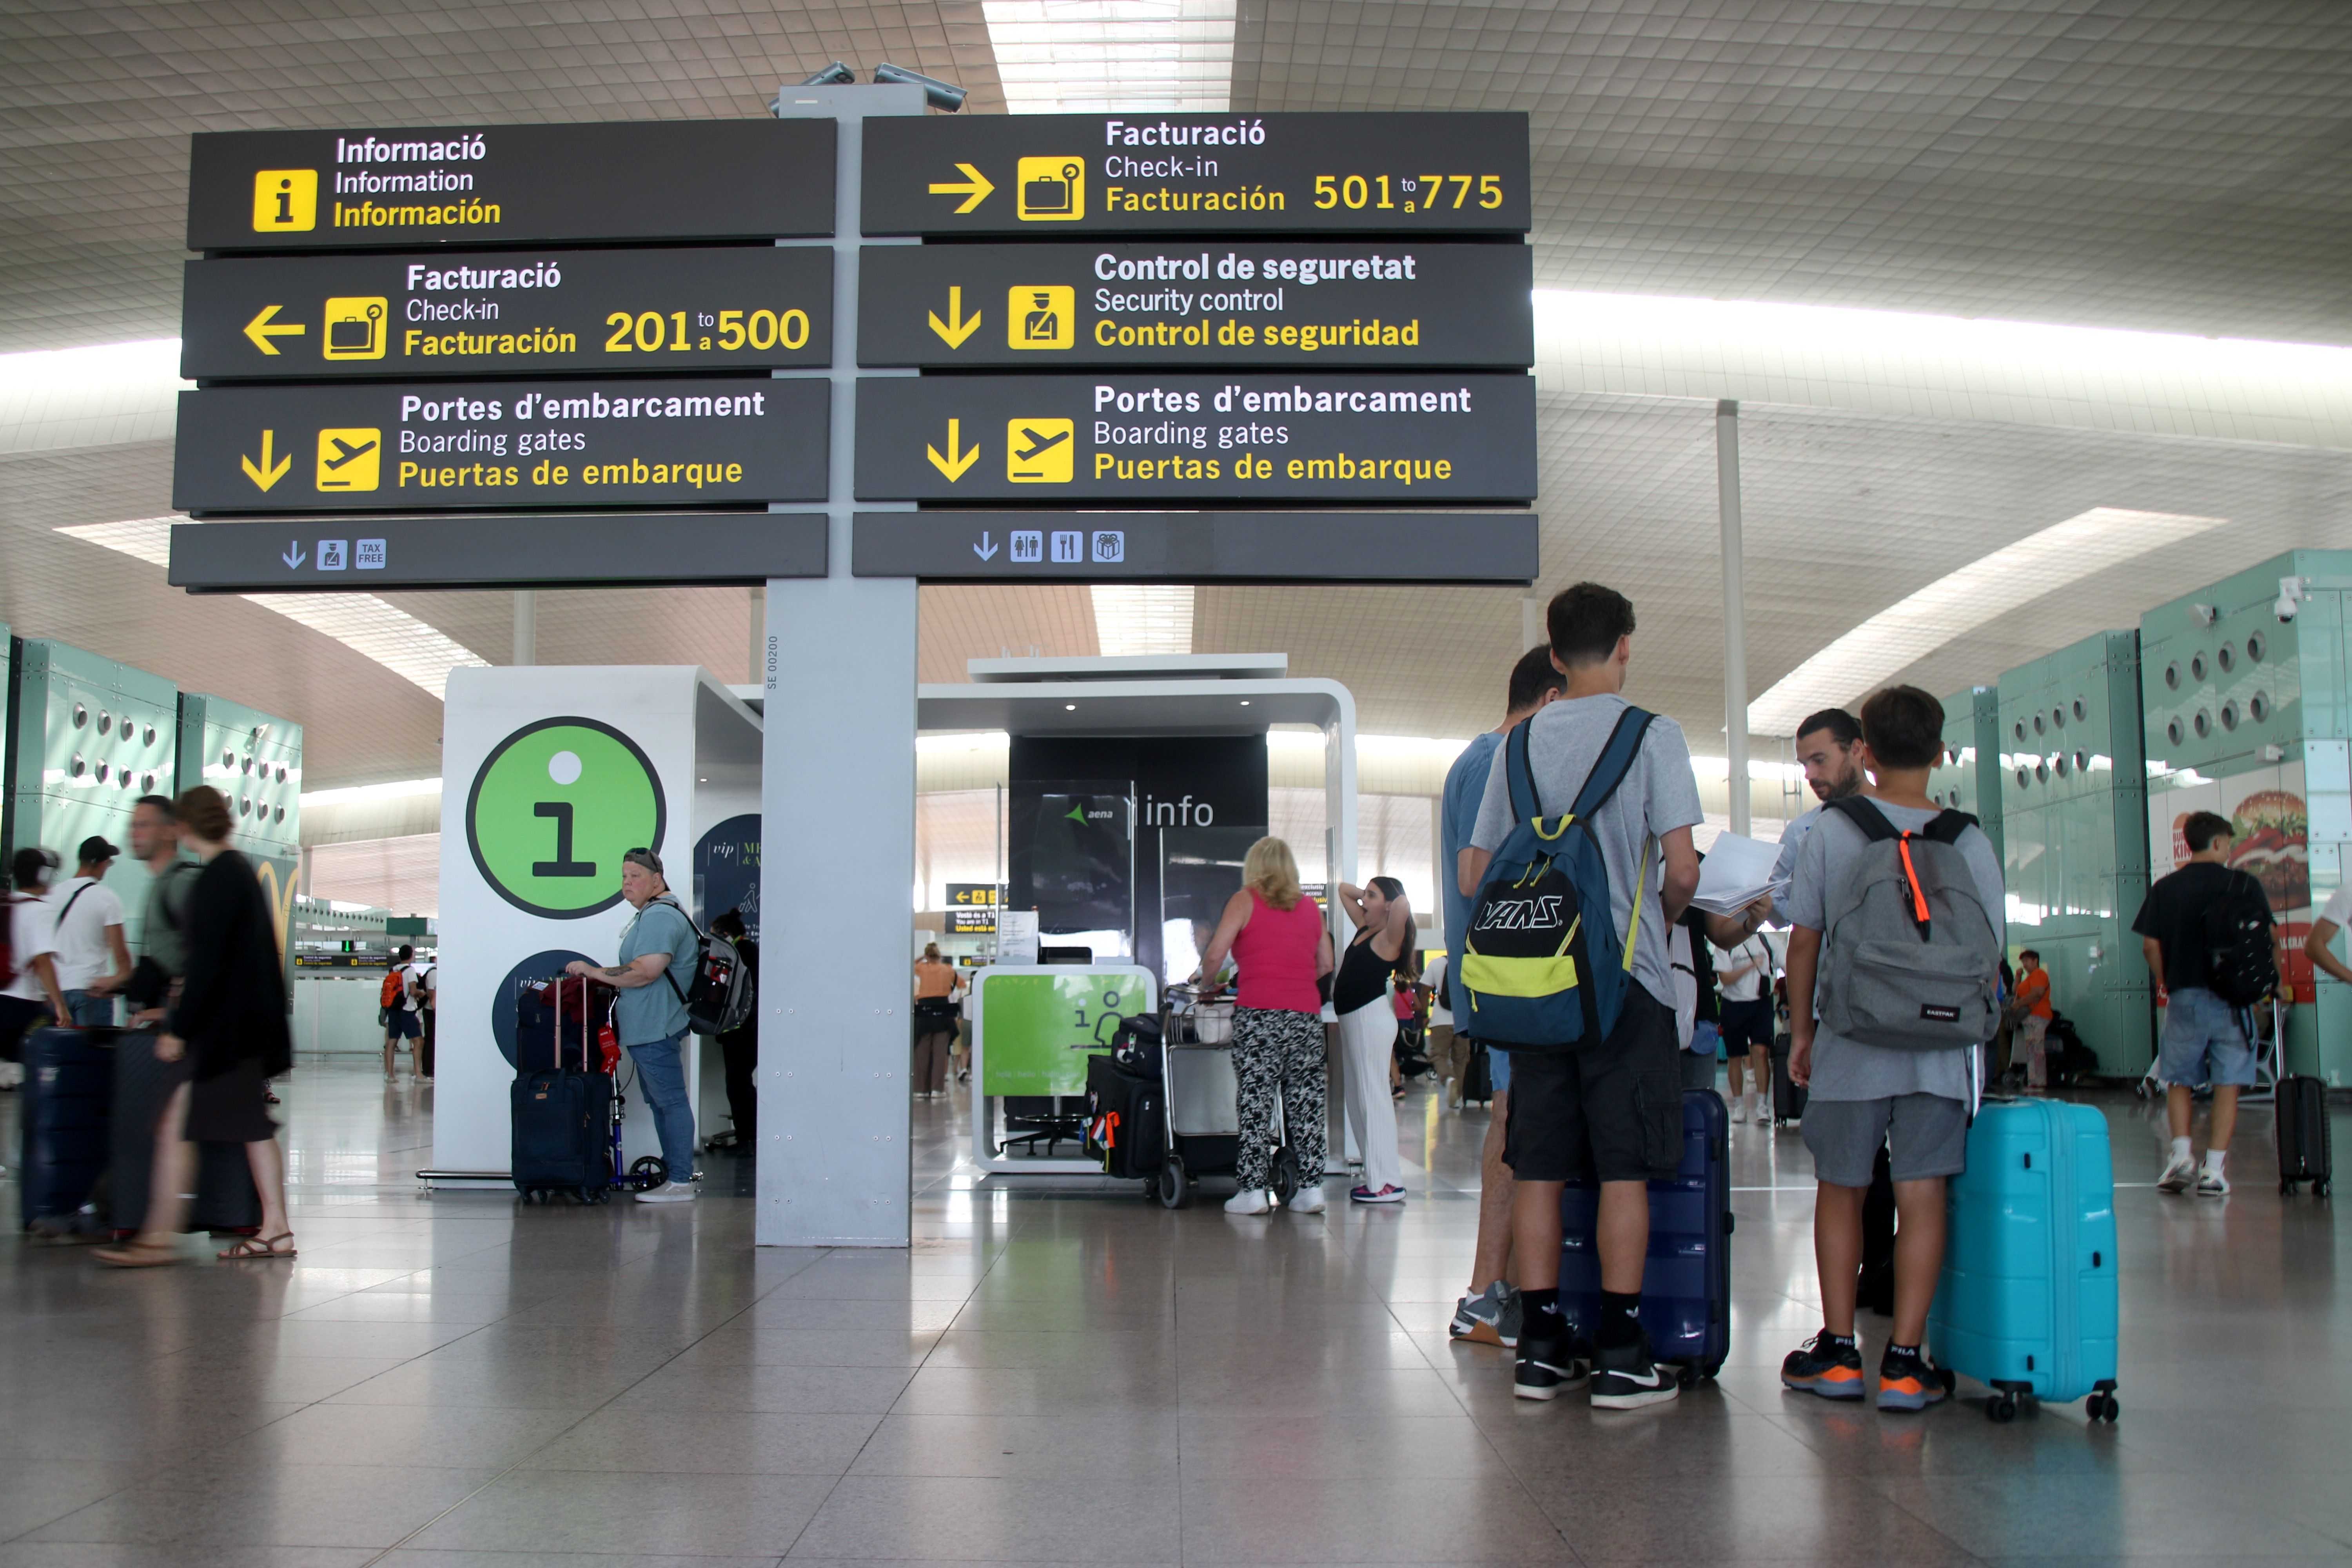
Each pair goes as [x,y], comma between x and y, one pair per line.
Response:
[2027,1304]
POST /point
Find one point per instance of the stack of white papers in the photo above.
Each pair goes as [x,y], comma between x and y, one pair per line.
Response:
[1736,873]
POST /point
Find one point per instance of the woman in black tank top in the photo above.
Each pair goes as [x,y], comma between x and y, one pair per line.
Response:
[1383,945]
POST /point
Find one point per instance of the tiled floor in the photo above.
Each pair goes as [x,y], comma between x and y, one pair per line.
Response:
[447,1380]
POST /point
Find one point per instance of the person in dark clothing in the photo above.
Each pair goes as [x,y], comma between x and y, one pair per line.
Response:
[742,1046]
[229,1026]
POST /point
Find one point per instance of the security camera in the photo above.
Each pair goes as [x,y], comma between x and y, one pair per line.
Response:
[2290,594]
[834,75]
[940,95]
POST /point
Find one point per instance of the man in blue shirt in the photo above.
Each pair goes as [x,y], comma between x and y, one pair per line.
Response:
[657,954]
[1490,1313]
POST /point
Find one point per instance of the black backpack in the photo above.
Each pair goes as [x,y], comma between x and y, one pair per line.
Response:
[2241,964]
[723,995]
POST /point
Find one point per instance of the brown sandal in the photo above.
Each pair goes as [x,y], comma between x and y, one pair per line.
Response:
[138,1254]
[258,1247]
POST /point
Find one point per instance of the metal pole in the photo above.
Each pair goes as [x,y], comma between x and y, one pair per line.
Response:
[756,633]
[526,626]
[1531,625]
[1735,611]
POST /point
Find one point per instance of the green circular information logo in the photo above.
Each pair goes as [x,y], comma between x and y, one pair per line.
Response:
[553,808]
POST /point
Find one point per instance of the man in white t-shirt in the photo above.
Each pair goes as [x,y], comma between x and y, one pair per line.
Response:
[93,961]
[32,992]
[1448,1053]
[2321,943]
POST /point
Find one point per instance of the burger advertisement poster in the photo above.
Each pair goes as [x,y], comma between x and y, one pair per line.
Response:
[2270,834]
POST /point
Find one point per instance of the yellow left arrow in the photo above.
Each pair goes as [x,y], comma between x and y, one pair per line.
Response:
[261,331]
[268,473]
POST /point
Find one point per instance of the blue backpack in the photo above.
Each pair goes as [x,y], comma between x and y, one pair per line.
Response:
[1543,912]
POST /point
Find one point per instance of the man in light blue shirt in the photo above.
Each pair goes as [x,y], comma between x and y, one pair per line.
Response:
[658,949]
[1489,1314]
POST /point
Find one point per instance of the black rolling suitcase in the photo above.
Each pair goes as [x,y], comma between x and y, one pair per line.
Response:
[225,1198]
[1126,1121]
[562,1117]
[1788,1096]
[1478,1076]
[67,1107]
[2305,1148]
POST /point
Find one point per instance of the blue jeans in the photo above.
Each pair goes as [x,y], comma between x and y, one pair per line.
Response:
[2204,1041]
[661,1074]
[89,1011]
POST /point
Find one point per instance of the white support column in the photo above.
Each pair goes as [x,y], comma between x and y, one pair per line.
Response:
[837,807]
[526,627]
[1735,611]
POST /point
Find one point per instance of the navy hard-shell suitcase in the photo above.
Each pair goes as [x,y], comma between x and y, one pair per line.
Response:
[562,1117]
[1687,1282]
[225,1197]
[68,1107]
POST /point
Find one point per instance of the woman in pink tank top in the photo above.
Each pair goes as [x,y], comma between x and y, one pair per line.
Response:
[1282,948]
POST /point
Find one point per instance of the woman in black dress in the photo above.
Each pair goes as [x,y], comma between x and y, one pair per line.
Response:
[229,1025]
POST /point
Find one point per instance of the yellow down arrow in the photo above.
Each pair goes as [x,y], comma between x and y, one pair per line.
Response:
[974,192]
[954,465]
[268,473]
[958,326]
[261,331]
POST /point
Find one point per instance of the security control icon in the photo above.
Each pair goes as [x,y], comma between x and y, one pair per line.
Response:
[1039,316]
[285,201]
[1038,451]
[1053,190]
[356,327]
[350,459]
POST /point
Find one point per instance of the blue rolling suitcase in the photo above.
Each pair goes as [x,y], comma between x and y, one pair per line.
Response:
[2027,1304]
[1687,1283]
[68,1114]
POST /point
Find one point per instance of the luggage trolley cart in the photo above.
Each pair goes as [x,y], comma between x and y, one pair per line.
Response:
[1202,1095]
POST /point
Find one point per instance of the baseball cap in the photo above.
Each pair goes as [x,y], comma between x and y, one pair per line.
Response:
[646,858]
[95,849]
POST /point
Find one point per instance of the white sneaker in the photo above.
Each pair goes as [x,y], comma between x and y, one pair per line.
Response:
[1739,1108]
[2178,1175]
[1250,1200]
[669,1193]
[2213,1183]
[1307,1200]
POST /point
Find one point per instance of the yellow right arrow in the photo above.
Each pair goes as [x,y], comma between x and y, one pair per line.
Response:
[261,331]
[958,326]
[953,465]
[974,190]
[268,473]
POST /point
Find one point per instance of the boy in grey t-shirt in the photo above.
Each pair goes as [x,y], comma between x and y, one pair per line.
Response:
[1915,1103]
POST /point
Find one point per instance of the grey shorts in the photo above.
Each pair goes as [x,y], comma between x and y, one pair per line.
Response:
[1925,1134]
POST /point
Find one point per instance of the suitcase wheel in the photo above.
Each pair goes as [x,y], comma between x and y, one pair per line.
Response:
[1286,1176]
[2001,1408]
[650,1171]
[1175,1189]
[2102,1407]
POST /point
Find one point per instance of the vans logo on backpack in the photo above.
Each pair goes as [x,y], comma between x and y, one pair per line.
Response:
[1519,914]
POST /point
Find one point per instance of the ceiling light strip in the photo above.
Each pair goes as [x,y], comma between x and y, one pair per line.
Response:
[1978,592]
[366,624]
[1135,55]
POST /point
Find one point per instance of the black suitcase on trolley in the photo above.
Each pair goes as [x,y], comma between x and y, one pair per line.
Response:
[562,1117]
[2305,1147]
[67,1106]
[1125,1121]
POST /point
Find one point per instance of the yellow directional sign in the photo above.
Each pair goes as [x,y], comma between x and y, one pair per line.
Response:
[956,463]
[1041,316]
[268,473]
[1038,451]
[260,330]
[958,326]
[355,326]
[974,188]
[350,458]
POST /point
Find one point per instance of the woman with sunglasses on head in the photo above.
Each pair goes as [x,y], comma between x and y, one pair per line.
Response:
[1383,946]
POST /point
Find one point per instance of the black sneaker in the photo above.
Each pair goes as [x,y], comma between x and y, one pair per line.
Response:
[1547,1368]
[1909,1383]
[1822,1366]
[1625,1378]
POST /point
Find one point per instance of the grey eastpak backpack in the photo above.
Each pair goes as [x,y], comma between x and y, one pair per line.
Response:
[1910,956]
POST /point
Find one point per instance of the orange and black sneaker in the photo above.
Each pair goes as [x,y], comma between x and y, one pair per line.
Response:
[1906,1381]
[1825,1364]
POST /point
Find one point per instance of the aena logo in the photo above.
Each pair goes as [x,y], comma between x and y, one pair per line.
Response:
[1521,915]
